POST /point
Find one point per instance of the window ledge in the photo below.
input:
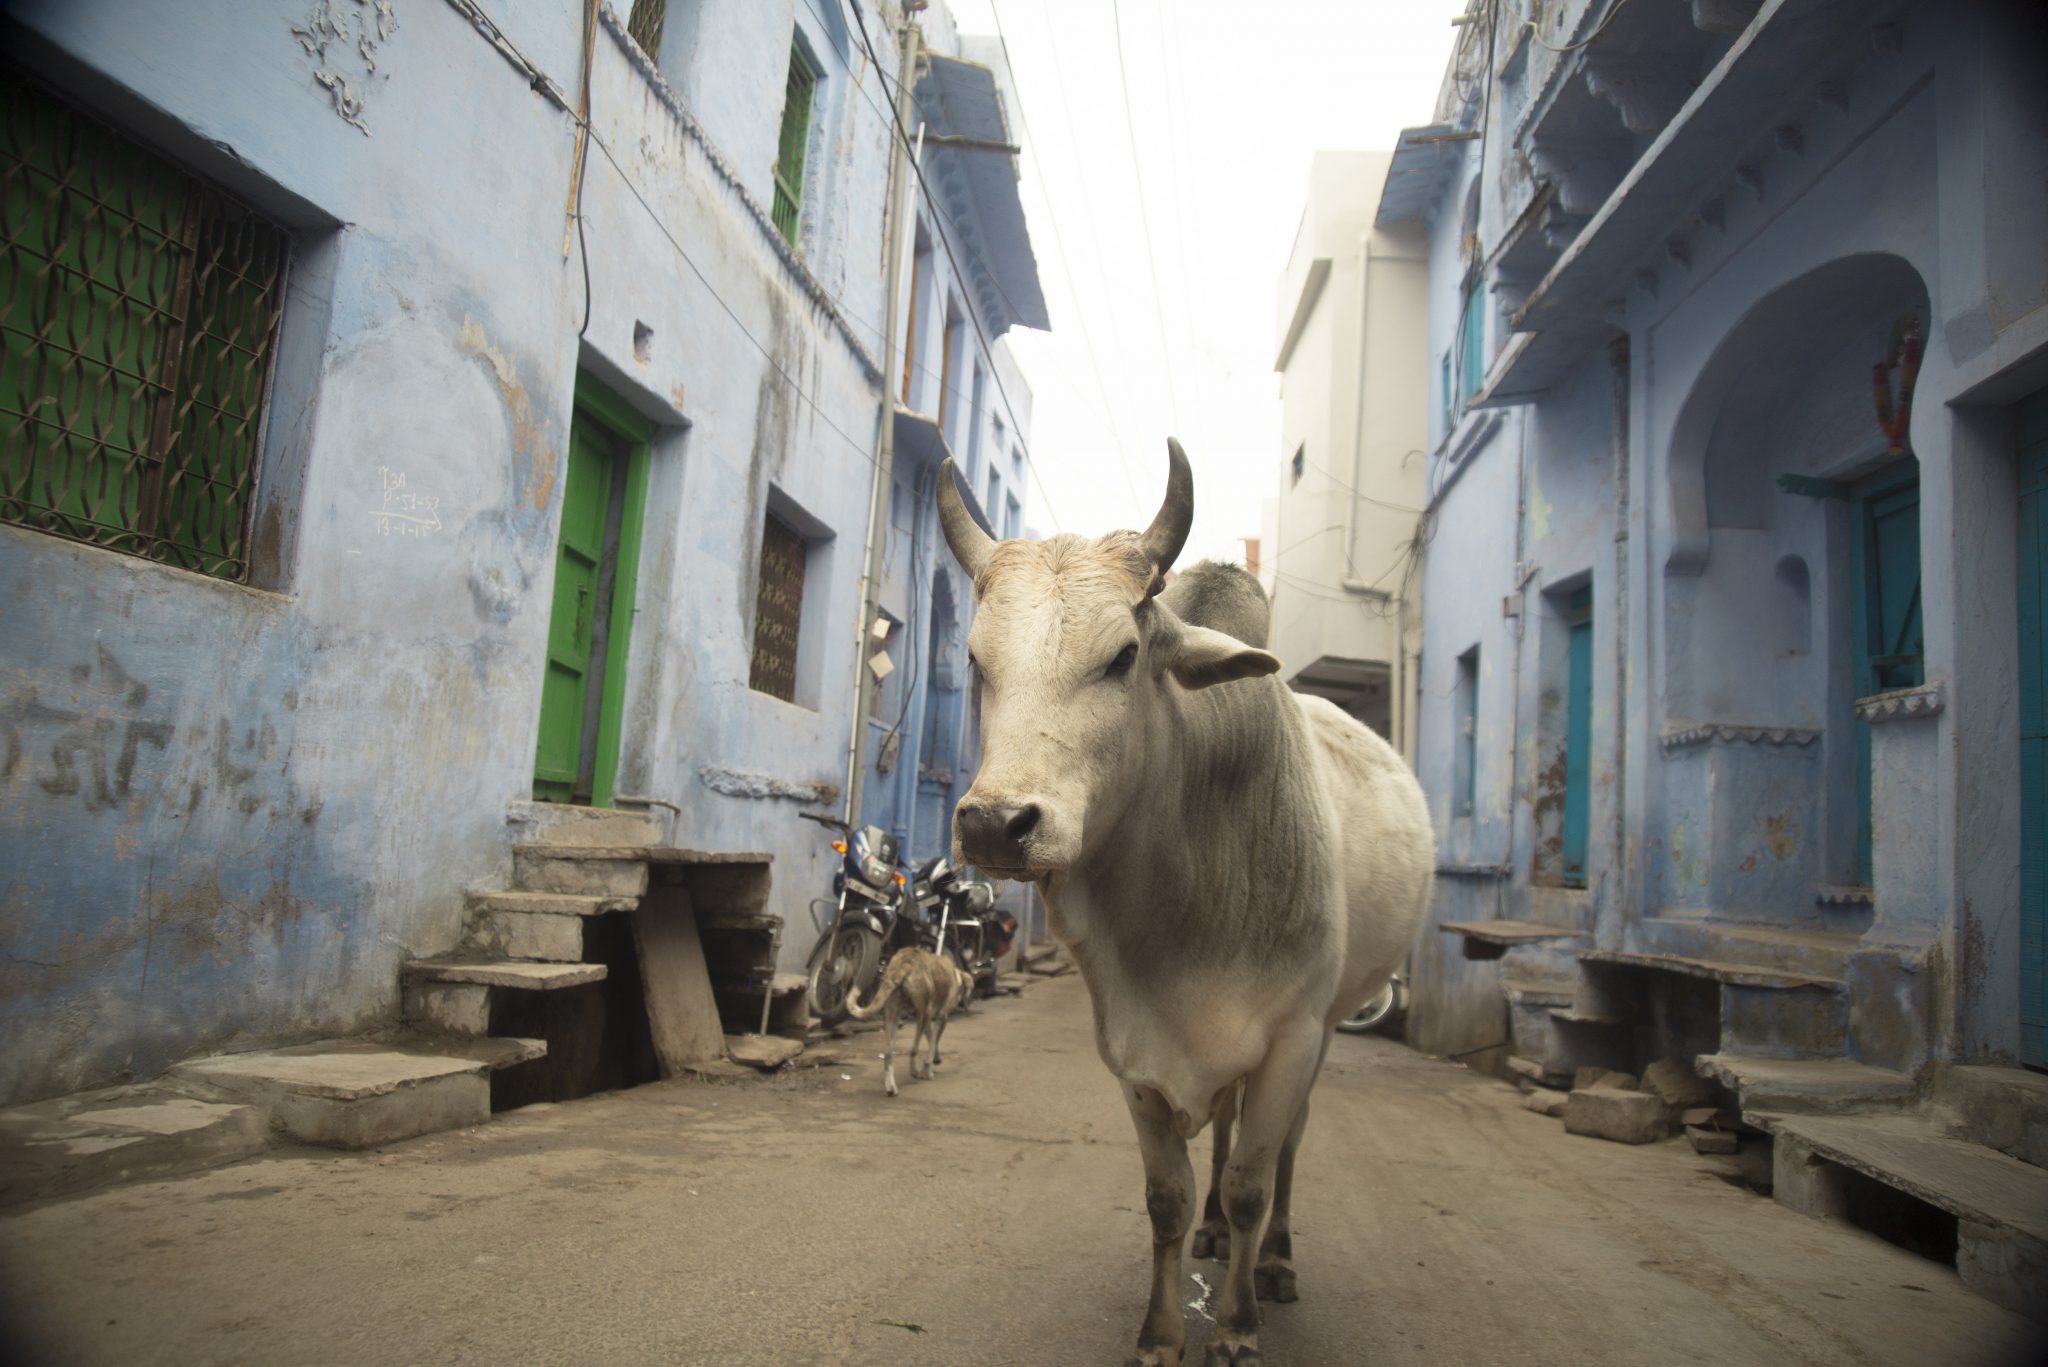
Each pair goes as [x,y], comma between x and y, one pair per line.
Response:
[1729,733]
[1901,704]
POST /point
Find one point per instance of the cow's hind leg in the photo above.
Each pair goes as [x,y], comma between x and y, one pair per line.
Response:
[1212,1240]
[1170,1201]
[1274,1275]
[1274,1095]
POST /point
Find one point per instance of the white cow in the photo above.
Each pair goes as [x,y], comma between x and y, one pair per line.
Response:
[1234,867]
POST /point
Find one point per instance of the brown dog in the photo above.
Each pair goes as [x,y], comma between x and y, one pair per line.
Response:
[917,980]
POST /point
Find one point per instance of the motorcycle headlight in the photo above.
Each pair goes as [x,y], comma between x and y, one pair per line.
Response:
[875,871]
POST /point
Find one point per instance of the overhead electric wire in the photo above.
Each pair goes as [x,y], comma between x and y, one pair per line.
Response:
[1066,265]
[1144,218]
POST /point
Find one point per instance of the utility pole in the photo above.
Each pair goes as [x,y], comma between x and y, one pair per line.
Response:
[885,450]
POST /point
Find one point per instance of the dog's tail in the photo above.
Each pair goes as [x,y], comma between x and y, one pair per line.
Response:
[890,982]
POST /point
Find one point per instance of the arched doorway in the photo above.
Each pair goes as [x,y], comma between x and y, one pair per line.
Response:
[1790,591]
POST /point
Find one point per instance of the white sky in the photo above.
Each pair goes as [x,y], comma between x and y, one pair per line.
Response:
[1228,101]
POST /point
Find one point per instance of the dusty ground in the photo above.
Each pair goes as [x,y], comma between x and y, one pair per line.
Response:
[991,1216]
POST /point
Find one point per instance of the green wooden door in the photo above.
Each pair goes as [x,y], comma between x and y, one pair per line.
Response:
[583,684]
[1887,627]
[1578,737]
[2033,642]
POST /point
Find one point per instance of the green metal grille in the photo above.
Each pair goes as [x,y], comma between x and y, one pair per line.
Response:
[645,23]
[138,310]
[789,153]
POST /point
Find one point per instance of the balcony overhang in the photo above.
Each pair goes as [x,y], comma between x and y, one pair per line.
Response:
[1765,80]
[1423,161]
[970,160]
[920,445]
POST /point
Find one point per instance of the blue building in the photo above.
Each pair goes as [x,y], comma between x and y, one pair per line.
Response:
[1732,628]
[388,466]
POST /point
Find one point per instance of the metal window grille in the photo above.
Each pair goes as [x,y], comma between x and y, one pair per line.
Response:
[778,610]
[645,24]
[789,152]
[138,312]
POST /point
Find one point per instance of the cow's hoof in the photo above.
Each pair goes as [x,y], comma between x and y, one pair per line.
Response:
[1225,1354]
[1212,1241]
[1154,1357]
[1274,1282]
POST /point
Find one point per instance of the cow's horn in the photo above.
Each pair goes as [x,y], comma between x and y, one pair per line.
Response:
[1169,530]
[970,543]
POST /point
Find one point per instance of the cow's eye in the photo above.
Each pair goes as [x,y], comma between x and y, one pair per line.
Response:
[1121,665]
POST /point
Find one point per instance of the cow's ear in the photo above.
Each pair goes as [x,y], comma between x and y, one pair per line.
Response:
[1203,657]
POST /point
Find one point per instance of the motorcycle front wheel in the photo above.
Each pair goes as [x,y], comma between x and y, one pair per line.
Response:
[845,957]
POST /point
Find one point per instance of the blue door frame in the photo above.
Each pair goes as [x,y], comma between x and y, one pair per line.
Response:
[1885,515]
[1578,736]
[2033,643]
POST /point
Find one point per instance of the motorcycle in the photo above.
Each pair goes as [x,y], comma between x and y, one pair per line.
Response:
[1384,1005]
[872,917]
[968,925]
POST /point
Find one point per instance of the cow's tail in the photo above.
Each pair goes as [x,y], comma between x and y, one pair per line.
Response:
[890,982]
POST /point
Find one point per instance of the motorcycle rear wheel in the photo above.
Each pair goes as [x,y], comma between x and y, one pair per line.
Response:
[845,957]
[1371,1015]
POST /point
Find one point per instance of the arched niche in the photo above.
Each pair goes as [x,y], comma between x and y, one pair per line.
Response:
[1786,393]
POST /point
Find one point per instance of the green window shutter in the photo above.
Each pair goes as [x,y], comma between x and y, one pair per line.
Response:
[138,311]
[1472,364]
[645,24]
[789,153]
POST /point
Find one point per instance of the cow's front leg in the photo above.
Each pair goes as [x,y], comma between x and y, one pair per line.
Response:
[1170,1200]
[1274,1275]
[1274,1095]
[1212,1240]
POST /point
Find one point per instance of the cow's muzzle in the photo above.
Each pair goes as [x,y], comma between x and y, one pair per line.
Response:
[995,836]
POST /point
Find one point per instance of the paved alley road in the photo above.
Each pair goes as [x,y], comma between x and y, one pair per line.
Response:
[993,1215]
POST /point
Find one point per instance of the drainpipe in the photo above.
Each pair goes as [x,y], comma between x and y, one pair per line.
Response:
[885,447]
[1618,359]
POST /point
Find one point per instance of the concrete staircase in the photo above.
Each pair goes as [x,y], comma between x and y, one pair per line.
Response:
[592,890]
[1972,1149]
[1808,1042]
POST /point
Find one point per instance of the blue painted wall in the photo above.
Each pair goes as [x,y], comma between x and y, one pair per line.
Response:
[1723,704]
[228,813]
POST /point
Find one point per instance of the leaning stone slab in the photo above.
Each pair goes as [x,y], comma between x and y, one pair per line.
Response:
[1618,1082]
[1707,1140]
[1605,1112]
[1677,1084]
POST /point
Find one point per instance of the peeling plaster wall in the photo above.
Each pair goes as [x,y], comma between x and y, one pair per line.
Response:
[228,814]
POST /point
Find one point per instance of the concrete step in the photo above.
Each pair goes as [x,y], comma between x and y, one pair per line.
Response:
[549,903]
[358,1094]
[525,935]
[1491,939]
[535,977]
[581,870]
[2003,1108]
[1799,950]
[95,1139]
[1775,1086]
[2000,1204]
[559,823]
[1724,971]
